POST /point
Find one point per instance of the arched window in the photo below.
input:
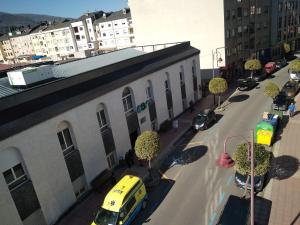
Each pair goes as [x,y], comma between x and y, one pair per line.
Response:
[181,74]
[65,138]
[127,100]
[167,82]
[102,117]
[149,90]
[194,68]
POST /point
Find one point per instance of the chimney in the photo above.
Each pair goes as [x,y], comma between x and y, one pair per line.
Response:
[124,11]
[104,15]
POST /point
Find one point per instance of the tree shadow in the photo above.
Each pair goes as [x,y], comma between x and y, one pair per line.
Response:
[156,197]
[184,156]
[270,76]
[238,98]
[283,167]
[282,124]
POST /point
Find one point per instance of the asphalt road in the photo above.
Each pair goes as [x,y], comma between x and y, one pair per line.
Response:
[194,190]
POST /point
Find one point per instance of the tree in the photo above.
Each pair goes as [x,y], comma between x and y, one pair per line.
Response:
[295,66]
[147,146]
[286,47]
[252,65]
[217,86]
[261,159]
[271,90]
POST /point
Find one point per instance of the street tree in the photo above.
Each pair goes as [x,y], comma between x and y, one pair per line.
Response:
[217,86]
[271,89]
[261,160]
[147,146]
[252,65]
[295,66]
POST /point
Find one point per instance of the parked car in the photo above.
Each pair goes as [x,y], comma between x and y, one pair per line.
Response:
[281,63]
[236,211]
[204,119]
[240,181]
[281,102]
[270,68]
[290,88]
[259,75]
[246,84]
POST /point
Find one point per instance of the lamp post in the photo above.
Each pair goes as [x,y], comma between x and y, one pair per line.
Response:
[226,162]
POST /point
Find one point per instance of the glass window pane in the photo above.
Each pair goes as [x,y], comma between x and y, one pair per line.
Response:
[61,140]
[125,105]
[103,119]
[129,102]
[68,138]
[99,120]
[8,175]
[18,170]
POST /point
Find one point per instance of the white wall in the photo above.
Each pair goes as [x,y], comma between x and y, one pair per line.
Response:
[198,21]
[42,154]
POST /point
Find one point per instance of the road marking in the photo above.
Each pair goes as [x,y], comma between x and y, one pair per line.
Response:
[229,180]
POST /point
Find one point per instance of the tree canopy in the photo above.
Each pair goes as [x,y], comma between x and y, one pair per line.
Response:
[261,160]
[286,47]
[252,64]
[295,66]
[271,89]
[217,85]
[147,146]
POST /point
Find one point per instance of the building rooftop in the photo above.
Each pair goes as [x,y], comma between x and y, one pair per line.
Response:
[58,25]
[83,80]
[114,16]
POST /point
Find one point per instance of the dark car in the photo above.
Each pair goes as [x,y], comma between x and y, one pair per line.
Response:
[290,88]
[281,63]
[259,75]
[204,119]
[240,181]
[246,84]
[281,102]
[236,211]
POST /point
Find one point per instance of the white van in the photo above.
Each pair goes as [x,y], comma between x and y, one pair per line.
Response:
[294,76]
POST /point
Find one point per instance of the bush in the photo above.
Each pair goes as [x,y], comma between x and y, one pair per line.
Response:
[165,126]
[261,160]
[271,90]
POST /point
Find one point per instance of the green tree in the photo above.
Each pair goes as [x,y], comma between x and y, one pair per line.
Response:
[147,146]
[271,89]
[295,66]
[286,47]
[252,65]
[261,160]
[217,86]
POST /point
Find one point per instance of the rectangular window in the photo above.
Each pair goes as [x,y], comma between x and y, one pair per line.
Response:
[127,103]
[14,176]
[80,28]
[102,120]
[252,10]
[181,78]
[167,85]
[76,29]
[77,37]
[65,141]
[148,92]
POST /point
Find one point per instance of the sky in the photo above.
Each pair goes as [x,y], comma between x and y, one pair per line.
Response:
[63,8]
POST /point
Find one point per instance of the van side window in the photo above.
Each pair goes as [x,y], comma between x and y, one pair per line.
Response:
[126,209]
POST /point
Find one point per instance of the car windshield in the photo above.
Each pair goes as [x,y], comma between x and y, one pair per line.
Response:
[243,178]
[106,217]
[201,119]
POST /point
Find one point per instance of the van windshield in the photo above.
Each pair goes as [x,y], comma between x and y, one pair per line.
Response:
[106,217]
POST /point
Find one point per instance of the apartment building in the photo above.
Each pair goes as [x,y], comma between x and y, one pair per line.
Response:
[7,49]
[22,45]
[114,30]
[285,25]
[84,31]
[76,131]
[59,40]
[37,37]
[227,32]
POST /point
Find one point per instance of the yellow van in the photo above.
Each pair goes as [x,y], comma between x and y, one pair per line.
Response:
[123,202]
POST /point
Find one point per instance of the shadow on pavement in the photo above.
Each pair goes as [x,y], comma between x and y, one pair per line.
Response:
[156,196]
[284,167]
[262,211]
[184,156]
[271,77]
[238,98]
[283,123]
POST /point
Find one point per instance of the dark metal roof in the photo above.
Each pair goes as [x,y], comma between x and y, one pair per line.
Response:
[30,107]
[95,15]
[114,16]
[5,88]
[58,25]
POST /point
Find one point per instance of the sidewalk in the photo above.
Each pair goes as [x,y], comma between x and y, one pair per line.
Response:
[84,211]
[284,191]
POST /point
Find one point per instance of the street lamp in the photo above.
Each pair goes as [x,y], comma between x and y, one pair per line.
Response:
[225,161]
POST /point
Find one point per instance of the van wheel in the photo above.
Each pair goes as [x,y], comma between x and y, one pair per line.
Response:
[144,204]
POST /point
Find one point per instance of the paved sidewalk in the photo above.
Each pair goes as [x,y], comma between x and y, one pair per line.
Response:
[83,212]
[284,189]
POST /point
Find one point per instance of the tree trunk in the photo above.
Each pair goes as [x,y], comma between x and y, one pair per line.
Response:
[251,74]
[246,186]
[149,164]
[219,101]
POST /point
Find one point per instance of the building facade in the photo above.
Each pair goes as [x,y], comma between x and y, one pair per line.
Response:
[22,45]
[7,49]
[114,30]
[88,127]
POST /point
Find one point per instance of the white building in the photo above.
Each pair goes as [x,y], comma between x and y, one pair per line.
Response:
[84,32]
[37,37]
[60,40]
[57,137]
[114,30]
